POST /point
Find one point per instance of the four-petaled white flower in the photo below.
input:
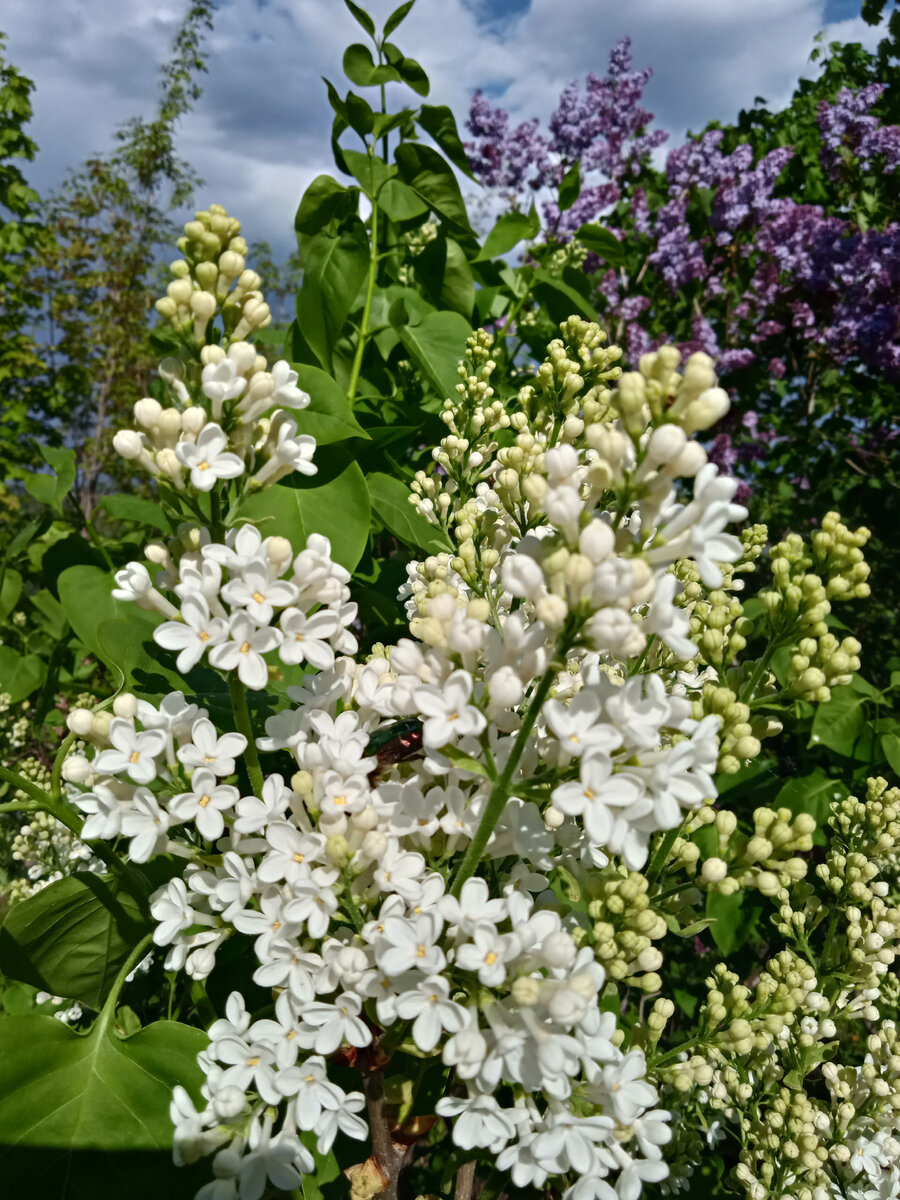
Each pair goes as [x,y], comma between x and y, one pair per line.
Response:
[432,1012]
[133,752]
[447,710]
[244,651]
[208,460]
[205,803]
[255,591]
[193,635]
[207,749]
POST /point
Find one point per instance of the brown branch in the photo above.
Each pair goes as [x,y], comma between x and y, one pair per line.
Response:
[387,1153]
[465,1181]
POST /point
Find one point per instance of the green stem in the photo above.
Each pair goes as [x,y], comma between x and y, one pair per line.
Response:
[370,287]
[238,694]
[661,853]
[56,778]
[19,806]
[500,791]
[107,1012]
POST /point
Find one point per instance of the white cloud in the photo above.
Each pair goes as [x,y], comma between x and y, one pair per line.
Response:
[261,130]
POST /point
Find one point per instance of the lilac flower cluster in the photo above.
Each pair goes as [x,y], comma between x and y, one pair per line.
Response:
[850,129]
[603,126]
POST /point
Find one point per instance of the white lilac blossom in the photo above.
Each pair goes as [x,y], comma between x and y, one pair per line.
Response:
[396,883]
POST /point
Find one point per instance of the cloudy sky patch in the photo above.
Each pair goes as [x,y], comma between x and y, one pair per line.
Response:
[260,132]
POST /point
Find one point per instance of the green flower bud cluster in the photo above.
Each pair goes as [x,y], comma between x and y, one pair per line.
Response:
[785,1147]
[800,600]
[625,927]
[213,277]
[415,241]
[740,739]
[14,723]
[766,859]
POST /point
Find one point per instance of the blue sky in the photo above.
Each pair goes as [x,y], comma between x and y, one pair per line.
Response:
[260,132]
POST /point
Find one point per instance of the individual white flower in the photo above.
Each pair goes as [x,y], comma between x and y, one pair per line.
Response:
[208,749]
[335,1023]
[342,1118]
[411,945]
[401,871]
[432,1012]
[171,907]
[480,1121]
[473,908]
[578,725]
[671,624]
[596,792]
[624,1087]
[308,1083]
[306,637]
[220,382]
[248,1062]
[312,902]
[286,390]
[448,712]
[290,452]
[291,853]
[254,813]
[487,954]
[133,752]
[133,583]
[257,593]
[105,811]
[244,651]
[193,635]
[205,803]
[146,824]
[208,460]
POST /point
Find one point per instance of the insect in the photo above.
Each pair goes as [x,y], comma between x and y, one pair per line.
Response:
[395,743]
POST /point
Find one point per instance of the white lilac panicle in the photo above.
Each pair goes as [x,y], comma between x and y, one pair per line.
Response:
[242,600]
[394,878]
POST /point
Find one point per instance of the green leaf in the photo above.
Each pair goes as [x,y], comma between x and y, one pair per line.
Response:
[561,299]
[400,202]
[462,761]
[512,228]
[123,507]
[686,1001]
[390,501]
[437,345]
[335,503]
[369,171]
[447,276]
[82,1111]
[328,417]
[360,114]
[71,938]
[396,17]
[85,593]
[335,270]
[431,177]
[439,123]
[890,745]
[20,675]
[52,489]
[813,794]
[570,187]
[839,723]
[361,17]
[325,201]
[603,243]
[327,1168]
[359,66]
[408,69]
[727,920]
[10,591]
